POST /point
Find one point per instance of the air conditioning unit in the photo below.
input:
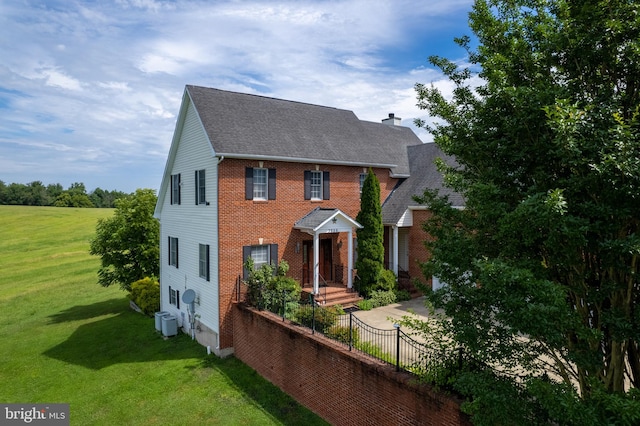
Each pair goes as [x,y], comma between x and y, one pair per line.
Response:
[159,316]
[169,326]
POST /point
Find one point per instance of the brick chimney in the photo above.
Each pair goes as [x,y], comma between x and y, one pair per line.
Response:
[392,120]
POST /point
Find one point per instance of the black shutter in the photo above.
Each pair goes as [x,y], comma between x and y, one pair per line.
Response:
[179,187]
[208,268]
[169,252]
[177,299]
[326,194]
[196,179]
[273,254]
[171,191]
[272,184]
[248,183]
[202,177]
[177,256]
[170,295]
[246,253]
[307,184]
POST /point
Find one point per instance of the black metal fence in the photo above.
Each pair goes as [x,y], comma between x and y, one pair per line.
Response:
[393,345]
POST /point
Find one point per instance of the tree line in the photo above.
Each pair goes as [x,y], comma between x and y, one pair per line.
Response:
[37,194]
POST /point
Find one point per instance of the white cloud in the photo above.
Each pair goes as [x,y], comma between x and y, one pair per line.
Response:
[57,78]
[104,80]
[119,86]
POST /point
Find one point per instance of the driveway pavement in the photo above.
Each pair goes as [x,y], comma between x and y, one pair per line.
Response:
[379,317]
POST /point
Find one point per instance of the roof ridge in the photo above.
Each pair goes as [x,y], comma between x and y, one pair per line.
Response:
[270,98]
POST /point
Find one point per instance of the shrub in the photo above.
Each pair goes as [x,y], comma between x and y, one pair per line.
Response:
[402,295]
[382,298]
[341,334]
[324,317]
[146,294]
[365,305]
[376,351]
[290,309]
[269,288]
[279,292]
[387,280]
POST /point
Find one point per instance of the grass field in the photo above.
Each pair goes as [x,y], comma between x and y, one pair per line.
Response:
[65,339]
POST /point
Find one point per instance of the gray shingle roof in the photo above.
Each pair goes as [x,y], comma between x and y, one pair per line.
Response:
[315,217]
[318,216]
[251,126]
[424,174]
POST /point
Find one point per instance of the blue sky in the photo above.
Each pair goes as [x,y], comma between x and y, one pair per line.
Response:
[90,90]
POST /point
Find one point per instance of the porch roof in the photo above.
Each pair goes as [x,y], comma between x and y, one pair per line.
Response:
[324,220]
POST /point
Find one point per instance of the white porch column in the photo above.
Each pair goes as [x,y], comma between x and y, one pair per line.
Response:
[316,262]
[394,230]
[350,260]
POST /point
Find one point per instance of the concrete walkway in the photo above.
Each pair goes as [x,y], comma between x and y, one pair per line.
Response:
[379,317]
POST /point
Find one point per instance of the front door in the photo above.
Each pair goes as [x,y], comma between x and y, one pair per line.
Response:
[325,261]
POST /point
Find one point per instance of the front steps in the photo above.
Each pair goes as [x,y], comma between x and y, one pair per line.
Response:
[336,295]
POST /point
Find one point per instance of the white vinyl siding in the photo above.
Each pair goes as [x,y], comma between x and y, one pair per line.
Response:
[192,224]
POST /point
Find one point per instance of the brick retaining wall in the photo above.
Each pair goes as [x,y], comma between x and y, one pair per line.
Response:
[343,387]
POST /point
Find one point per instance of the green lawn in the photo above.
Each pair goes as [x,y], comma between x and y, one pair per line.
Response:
[65,339]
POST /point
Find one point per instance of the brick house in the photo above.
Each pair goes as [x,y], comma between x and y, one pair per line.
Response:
[255,176]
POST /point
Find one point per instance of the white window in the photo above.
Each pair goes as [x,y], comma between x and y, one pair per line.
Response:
[201,193]
[316,185]
[260,256]
[173,251]
[174,297]
[175,189]
[363,177]
[203,264]
[260,187]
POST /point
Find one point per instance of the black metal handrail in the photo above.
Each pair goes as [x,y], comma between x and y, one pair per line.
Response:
[322,288]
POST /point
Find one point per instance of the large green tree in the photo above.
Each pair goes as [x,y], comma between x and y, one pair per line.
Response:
[129,241]
[370,261]
[542,303]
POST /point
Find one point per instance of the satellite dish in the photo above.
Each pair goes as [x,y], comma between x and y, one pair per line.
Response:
[189,296]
